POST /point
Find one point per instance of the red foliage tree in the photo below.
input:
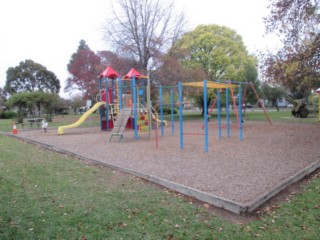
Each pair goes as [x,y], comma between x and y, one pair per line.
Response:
[84,68]
[296,65]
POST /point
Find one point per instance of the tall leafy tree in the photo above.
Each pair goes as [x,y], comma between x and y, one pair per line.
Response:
[296,64]
[30,76]
[251,75]
[84,68]
[144,30]
[218,51]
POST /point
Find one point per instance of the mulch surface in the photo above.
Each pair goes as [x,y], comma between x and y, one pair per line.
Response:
[240,171]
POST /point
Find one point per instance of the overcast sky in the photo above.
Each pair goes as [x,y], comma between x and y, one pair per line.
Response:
[49,31]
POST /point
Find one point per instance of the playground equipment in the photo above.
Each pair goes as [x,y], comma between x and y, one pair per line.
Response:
[227,87]
[81,119]
[299,107]
[127,103]
[155,118]
[120,124]
[205,85]
[123,102]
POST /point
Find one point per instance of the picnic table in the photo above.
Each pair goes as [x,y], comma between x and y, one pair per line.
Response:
[35,121]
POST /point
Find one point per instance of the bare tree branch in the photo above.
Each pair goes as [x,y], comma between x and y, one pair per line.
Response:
[144,29]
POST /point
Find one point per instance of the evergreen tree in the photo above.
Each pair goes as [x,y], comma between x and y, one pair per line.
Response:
[30,77]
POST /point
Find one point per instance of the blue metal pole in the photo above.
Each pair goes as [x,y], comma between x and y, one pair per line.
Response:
[100,99]
[113,91]
[180,115]
[107,102]
[134,91]
[120,92]
[161,110]
[240,111]
[100,86]
[219,113]
[205,110]
[172,111]
[227,112]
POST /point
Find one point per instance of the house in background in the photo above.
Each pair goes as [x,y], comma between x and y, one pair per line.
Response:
[282,103]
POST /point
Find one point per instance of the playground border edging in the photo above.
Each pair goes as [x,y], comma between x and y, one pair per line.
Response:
[283,185]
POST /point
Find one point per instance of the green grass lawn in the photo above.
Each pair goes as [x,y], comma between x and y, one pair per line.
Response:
[46,195]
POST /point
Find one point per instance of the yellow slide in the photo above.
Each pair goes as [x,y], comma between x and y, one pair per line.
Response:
[82,118]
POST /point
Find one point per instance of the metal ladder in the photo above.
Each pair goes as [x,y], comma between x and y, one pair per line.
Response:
[120,123]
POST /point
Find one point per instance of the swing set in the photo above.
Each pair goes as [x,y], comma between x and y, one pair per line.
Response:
[228,87]
[246,84]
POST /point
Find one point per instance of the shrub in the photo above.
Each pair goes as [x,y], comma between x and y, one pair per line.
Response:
[8,115]
[315,103]
[167,110]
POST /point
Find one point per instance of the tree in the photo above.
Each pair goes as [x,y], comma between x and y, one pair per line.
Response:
[2,97]
[296,64]
[199,100]
[218,51]
[27,102]
[251,76]
[144,30]
[30,76]
[76,102]
[273,94]
[121,64]
[84,68]
[173,71]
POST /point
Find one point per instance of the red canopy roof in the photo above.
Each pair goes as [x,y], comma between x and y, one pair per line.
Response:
[133,72]
[109,73]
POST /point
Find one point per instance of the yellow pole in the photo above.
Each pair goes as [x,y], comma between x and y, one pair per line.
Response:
[149,107]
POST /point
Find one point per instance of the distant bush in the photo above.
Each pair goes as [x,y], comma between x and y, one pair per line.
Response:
[315,103]
[167,110]
[8,115]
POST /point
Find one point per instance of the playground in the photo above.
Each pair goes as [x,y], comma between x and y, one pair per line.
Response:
[231,164]
[237,175]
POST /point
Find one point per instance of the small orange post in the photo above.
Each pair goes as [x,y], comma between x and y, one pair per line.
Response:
[14,129]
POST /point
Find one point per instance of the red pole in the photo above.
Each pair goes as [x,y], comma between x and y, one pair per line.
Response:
[264,110]
[234,104]
[211,108]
